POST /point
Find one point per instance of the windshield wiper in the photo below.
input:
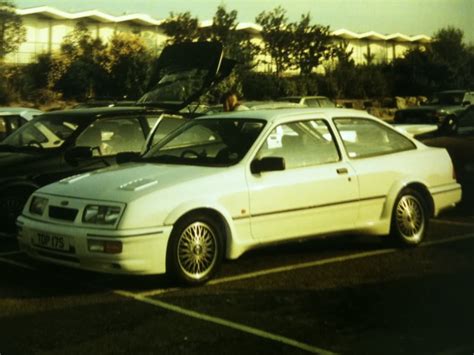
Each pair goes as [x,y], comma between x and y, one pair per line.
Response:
[171,159]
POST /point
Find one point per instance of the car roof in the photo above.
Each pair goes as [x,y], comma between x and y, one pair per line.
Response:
[24,112]
[102,111]
[304,97]
[281,114]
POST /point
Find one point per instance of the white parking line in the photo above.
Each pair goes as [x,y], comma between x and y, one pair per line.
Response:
[455,223]
[15,263]
[226,323]
[286,268]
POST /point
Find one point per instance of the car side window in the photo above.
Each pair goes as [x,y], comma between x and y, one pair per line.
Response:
[365,138]
[3,128]
[301,143]
[168,124]
[112,136]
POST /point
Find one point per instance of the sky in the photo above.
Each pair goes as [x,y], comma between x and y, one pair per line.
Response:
[410,17]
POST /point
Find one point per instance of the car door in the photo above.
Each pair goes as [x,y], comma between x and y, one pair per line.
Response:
[379,156]
[317,192]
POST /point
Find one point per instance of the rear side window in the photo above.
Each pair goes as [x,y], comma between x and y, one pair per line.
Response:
[365,138]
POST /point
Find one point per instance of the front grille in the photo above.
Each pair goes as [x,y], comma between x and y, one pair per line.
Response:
[65,214]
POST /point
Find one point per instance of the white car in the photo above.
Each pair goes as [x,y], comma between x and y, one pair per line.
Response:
[219,186]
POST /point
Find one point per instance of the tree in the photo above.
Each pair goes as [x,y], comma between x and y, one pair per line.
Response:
[12,32]
[181,27]
[78,71]
[277,38]
[448,50]
[127,62]
[312,44]
[237,44]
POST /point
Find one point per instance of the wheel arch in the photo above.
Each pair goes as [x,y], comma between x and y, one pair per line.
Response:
[217,217]
[416,185]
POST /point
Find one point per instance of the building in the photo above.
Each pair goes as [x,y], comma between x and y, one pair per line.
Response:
[46,28]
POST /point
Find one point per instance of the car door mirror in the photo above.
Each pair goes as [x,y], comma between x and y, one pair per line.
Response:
[466,103]
[267,164]
[77,153]
[126,157]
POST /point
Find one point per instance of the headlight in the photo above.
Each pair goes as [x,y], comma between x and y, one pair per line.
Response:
[96,214]
[38,204]
[441,113]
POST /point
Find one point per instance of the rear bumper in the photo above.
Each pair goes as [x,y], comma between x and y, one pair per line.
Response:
[445,196]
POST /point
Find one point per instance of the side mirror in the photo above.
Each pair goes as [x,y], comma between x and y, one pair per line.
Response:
[77,153]
[466,103]
[126,157]
[267,164]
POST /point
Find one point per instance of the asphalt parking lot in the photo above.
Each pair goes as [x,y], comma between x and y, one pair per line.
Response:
[345,294]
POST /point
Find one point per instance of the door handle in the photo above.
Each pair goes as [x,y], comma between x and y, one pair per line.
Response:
[341,171]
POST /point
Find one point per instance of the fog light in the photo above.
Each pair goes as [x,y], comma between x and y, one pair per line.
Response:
[104,246]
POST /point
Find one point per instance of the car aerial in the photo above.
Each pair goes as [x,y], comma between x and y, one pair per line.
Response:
[13,117]
[63,143]
[221,185]
[310,101]
[459,142]
[441,110]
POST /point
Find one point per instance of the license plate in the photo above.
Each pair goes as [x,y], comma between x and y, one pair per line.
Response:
[54,242]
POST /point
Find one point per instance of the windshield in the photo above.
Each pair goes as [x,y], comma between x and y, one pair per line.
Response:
[448,98]
[45,132]
[176,86]
[209,142]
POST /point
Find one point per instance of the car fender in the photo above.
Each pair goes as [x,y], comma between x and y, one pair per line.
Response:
[211,205]
[395,189]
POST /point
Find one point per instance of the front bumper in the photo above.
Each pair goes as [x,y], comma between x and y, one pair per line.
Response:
[143,250]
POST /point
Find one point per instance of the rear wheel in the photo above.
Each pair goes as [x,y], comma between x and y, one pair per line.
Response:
[195,250]
[409,218]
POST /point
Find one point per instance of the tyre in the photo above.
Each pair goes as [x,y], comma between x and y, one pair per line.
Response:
[195,250]
[409,218]
[11,206]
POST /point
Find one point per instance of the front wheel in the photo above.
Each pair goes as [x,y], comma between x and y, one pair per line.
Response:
[11,206]
[195,250]
[409,218]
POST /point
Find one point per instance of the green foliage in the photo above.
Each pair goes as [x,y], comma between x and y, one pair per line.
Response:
[237,44]
[181,27]
[128,63]
[311,45]
[12,32]
[277,37]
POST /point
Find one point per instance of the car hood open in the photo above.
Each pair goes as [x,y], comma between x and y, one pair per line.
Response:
[184,72]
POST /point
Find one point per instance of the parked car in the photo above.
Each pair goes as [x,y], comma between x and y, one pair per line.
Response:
[459,142]
[257,105]
[63,143]
[13,117]
[441,110]
[219,186]
[311,101]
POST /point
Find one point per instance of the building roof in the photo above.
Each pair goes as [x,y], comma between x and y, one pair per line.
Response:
[147,20]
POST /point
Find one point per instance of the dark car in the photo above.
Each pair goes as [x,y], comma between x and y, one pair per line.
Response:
[442,109]
[63,143]
[459,141]
[11,118]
